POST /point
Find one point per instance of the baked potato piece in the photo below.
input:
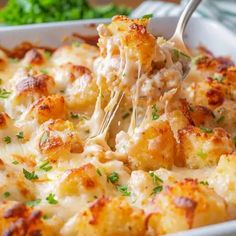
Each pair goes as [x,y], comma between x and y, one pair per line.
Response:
[77,54]
[18,220]
[151,147]
[83,180]
[57,139]
[51,107]
[202,147]
[108,217]
[185,205]
[82,92]
[223,178]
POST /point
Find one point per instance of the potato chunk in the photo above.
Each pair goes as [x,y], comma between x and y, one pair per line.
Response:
[58,138]
[17,220]
[202,147]
[108,217]
[152,147]
[51,107]
[223,179]
[185,205]
[84,179]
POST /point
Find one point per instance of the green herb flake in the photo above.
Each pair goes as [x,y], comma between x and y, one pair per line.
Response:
[45,217]
[14,60]
[33,203]
[6,194]
[4,93]
[113,177]
[76,44]
[201,154]
[206,130]
[124,190]
[126,115]
[204,183]
[51,199]
[99,172]
[45,166]
[44,137]
[1,80]
[74,115]
[177,55]
[15,162]
[196,59]
[220,119]
[29,175]
[218,77]
[155,178]
[147,16]
[47,54]
[157,189]
[155,116]
[44,71]
[20,135]
[7,139]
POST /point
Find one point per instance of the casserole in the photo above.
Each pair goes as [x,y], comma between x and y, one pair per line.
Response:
[38,33]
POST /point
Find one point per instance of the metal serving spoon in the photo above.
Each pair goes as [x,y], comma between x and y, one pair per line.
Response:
[177,37]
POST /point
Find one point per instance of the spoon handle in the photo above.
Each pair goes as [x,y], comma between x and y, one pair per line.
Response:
[184,18]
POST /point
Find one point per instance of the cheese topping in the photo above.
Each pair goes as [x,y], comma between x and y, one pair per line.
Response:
[73,162]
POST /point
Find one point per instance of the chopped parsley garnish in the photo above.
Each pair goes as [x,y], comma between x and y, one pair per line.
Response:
[76,44]
[44,71]
[204,182]
[124,190]
[45,217]
[126,115]
[157,189]
[20,135]
[202,154]
[206,130]
[155,178]
[33,203]
[218,77]
[147,16]
[155,116]
[74,115]
[196,59]
[45,166]
[99,172]
[51,199]
[29,175]
[113,177]
[6,194]
[4,93]
[44,137]
[7,139]
[220,119]
[15,162]
[177,55]
[47,54]
[14,60]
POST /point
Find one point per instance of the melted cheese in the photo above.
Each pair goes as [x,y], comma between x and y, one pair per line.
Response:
[135,174]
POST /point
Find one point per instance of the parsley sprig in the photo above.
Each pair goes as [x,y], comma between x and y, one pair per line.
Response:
[45,166]
[29,175]
[113,177]
[124,190]
[4,93]
[155,115]
[51,199]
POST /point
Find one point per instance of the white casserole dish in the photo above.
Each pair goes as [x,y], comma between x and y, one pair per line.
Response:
[199,31]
